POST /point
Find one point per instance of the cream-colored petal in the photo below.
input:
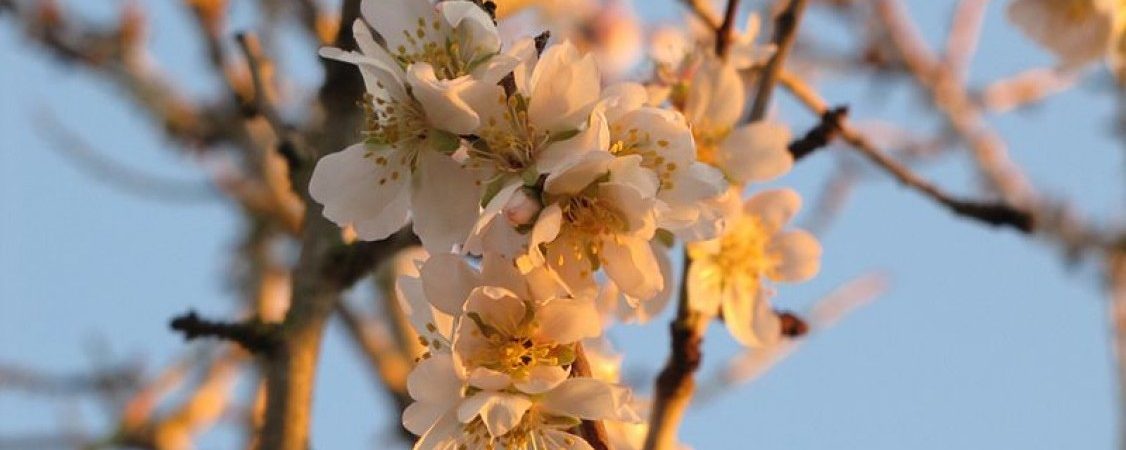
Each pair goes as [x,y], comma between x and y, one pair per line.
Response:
[444,199]
[756,152]
[545,230]
[498,308]
[742,302]
[419,417]
[442,99]
[499,270]
[500,411]
[559,156]
[798,256]
[542,379]
[567,320]
[590,399]
[562,440]
[622,98]
[443,435]
[565,87]
[475,29]
[448,280]
[575,177]
[488,379]
[773,208]
[715,96]
[435,380]
[631,264]
[357,191]
[395,20]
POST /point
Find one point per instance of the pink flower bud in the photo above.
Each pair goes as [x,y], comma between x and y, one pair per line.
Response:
[522,208]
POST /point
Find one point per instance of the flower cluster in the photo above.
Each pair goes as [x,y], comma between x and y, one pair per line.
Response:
[567,193]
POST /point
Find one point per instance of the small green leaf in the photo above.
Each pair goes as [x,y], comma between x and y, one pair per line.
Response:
[492,189]
[444,141]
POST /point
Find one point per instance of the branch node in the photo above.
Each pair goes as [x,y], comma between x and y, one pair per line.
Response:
[821,135]
[253,335]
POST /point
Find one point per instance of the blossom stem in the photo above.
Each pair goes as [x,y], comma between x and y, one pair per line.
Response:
[594,431]
[676,383]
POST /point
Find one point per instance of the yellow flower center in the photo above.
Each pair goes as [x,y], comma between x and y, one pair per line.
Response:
[639,142]
[742,249]
[392,122]
[450,59]
[524,436]
[708,141]
[511,142]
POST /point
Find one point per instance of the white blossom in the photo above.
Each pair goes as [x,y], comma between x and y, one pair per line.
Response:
[730,274]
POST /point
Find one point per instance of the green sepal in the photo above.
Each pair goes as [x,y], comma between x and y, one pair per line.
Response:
[444,142]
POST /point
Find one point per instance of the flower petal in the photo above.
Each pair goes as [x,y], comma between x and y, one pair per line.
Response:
[448,280]
[631,264]
[774,208]
[756,152]
[565,88]
[444,198]
[435,380]
[356,190]
[419,417]
[400,22]
[442,99]
[542,379]
[488,379]
[743,307]
[590,399]
[478,33]
[498,308]
[798,254]
[567,320]
[715,98]
[500,411]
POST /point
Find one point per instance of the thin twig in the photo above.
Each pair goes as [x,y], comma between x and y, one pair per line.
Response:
[999,214]
[723,32]
[820,135]
[101,167]
[785,33]
[290,145]
[253,335]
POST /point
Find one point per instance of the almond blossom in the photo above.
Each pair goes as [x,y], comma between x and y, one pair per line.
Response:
[453,412]
[731,274]
[600,213]
[502,377]
[713,104]
[438,60]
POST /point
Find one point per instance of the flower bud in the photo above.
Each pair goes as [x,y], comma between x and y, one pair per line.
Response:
[522,208]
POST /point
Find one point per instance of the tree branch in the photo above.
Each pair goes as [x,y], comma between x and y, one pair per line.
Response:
[821,134]
[785,33]
[253,335]
[998,214]
[723,32]
[593,431]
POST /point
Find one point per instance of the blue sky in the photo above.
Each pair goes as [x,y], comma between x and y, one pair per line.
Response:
[985,339]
